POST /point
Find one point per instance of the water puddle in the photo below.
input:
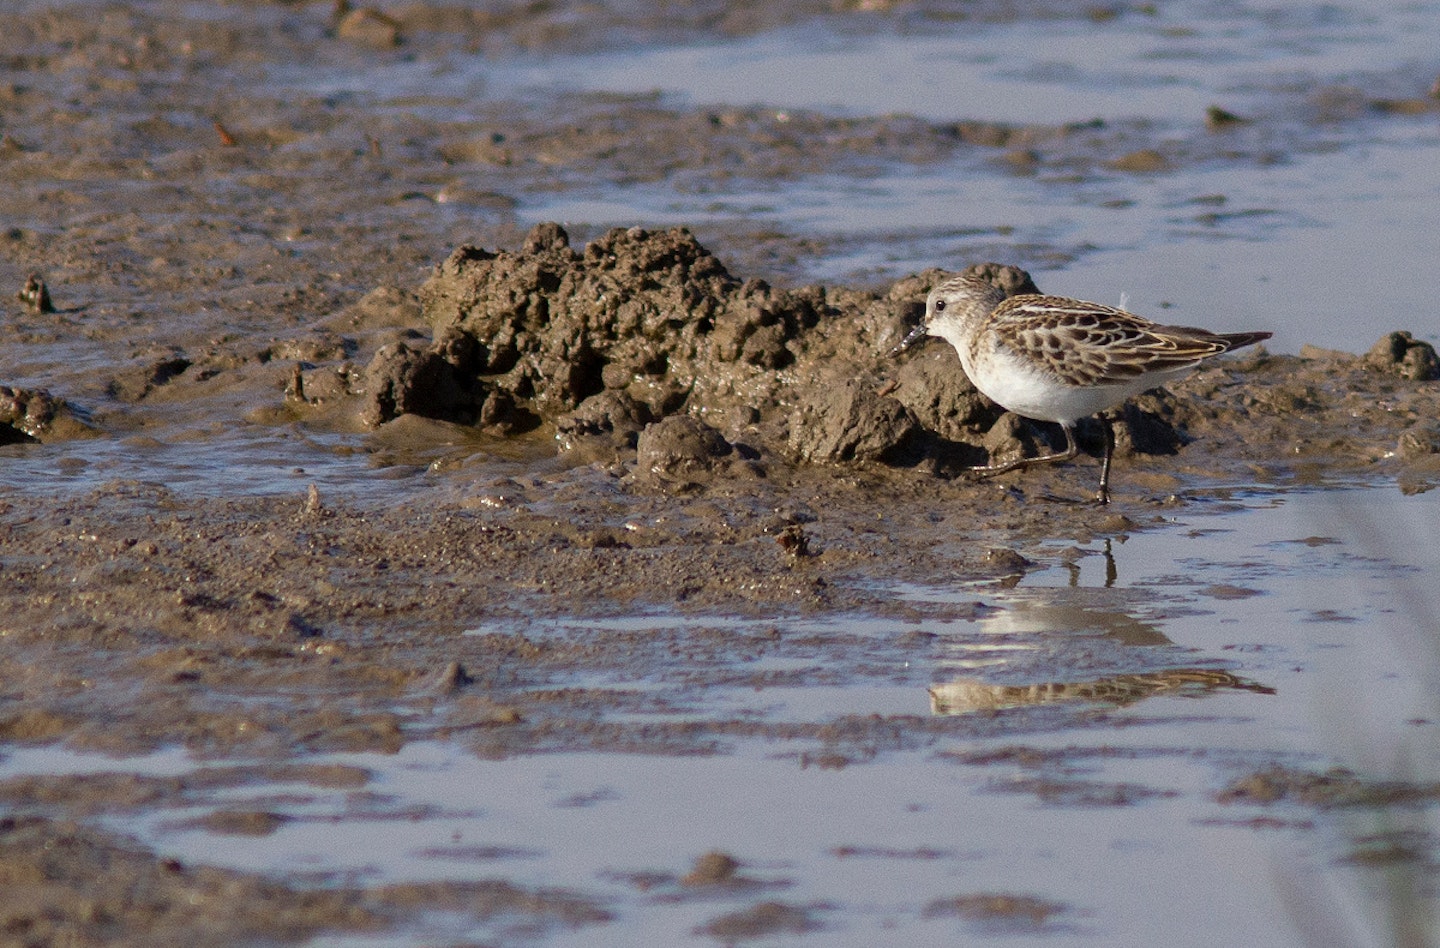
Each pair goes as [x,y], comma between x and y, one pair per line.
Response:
[389,465]
[1065,744]
[258,462]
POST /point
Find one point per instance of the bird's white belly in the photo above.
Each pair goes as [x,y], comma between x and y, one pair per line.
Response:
[1021,387]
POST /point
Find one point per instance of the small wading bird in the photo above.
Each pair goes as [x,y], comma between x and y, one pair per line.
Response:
[1051,358]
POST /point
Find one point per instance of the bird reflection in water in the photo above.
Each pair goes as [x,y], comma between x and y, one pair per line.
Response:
[965,695]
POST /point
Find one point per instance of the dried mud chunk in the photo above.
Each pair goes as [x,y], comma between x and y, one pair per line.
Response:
[369,28]
[28,416]
[935,388]
[851,422]
[764,920]
[1406,356]
[1013,280]
[611,416]
[401,380]
[1420,440]
[553,327]
[680,450]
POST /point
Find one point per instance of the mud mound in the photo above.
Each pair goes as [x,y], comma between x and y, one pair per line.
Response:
[534,333]
[643,325]
[611,344]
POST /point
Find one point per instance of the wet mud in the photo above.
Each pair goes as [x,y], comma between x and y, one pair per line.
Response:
[601,423]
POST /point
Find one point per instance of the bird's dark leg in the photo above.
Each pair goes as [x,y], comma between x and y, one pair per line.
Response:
[1105,423]
[1071,449]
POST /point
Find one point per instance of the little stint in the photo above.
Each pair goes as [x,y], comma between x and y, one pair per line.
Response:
[1052,358]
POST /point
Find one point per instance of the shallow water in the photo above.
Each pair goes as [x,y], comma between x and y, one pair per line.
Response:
[1165,66]
[1074,763]
[1320,233]
[1318,228]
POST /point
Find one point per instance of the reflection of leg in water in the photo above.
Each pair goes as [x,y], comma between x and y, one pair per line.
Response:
[1111,573]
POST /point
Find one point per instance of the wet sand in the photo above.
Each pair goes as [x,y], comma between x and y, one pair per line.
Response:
[585,425]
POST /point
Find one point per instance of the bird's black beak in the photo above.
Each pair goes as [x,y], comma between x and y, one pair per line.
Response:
[914,336]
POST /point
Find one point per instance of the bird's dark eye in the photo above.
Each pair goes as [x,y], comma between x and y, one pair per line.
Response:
[939,305]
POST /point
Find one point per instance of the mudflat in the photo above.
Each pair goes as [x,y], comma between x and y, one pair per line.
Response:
[471,422]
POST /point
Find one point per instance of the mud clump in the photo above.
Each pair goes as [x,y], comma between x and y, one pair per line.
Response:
[652,315]
[402,380]
[1000,911]
[713,868]
[1333,788]
[28,416]
[1405,356]
[765,920]
[69,884]
[681,451]
[851,423]
[134,384]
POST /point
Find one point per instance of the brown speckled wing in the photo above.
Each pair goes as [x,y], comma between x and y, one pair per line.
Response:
[1090,344]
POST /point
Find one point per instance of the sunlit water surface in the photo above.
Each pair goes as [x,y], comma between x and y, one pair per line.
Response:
[1329,239]
[1310,611]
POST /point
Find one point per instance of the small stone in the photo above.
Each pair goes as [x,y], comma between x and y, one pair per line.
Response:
[679,450]
[1142,161]
[1405,356]
[1217,118]
[36,295]
[713,868]
[451,679]
[1420,440]
[370,28]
